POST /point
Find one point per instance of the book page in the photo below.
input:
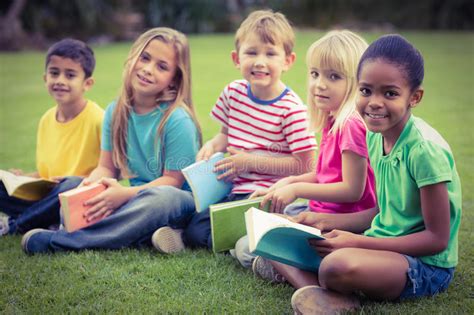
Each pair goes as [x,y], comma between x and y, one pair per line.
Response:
[12,181]
[262,222]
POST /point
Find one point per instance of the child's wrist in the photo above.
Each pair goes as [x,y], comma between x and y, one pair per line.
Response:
[208,144]
[254,163]
[294,188]
[131,192]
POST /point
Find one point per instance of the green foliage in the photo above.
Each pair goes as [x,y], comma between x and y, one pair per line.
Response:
[368,14]
[115,18]
[142,281]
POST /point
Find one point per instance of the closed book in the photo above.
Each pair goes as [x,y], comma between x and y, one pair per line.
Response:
[228,222]
[202,179]
[25,187]
[73,208]
[277,238]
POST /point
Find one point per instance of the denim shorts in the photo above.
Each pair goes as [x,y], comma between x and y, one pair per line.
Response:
[424,279]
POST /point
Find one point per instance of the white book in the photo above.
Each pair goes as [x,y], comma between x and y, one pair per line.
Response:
[25,187]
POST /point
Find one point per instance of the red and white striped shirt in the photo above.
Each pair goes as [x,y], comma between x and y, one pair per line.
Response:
[274,128]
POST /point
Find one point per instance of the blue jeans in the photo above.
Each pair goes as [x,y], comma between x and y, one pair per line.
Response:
[133,224]
[27,215]
[424,279]
[198,232]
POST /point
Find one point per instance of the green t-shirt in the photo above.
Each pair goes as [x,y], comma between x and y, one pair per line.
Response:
[420,157]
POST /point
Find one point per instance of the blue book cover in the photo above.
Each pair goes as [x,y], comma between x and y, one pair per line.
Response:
[202,179]
[277,238]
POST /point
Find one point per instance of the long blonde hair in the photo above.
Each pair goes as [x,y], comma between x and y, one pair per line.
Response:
[341,52]
[178,94]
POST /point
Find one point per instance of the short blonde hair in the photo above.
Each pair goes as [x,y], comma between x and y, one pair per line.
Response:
[341,52]
[271,27]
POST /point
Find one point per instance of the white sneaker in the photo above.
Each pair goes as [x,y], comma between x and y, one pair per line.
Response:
[167,240]
[262,268]
[316,300]
[4,227]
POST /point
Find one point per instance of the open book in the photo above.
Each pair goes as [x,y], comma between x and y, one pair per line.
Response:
[228,222]
[277,238]
[73,208]
[202,179]
[25,187]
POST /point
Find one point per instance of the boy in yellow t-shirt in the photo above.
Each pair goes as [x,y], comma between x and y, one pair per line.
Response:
[68,140]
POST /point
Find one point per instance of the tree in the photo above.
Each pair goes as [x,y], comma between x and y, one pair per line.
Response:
[12,35]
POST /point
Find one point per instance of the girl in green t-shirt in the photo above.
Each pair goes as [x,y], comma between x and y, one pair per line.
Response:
[410,250]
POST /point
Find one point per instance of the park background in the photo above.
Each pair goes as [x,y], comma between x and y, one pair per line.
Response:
[142,281]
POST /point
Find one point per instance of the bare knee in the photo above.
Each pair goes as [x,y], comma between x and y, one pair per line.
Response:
[338,269]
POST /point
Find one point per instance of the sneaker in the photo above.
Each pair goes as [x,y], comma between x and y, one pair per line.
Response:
[167,240]
[263,268]
[316,300]
[36,241]
[4,226]
[232,253]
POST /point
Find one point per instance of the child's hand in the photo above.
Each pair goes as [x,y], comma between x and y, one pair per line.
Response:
[107,201]
[309,218]
[280,198]
[85,182]
[282,183]
[16,171]
[335,239]
[206,152]
[279,184]
[233,165]
[57,179]
[258,193]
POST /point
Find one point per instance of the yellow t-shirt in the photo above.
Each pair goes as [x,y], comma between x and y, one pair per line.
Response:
[70,148]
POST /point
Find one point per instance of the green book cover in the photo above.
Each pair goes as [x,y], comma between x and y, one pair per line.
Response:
[277,238]
[228,222]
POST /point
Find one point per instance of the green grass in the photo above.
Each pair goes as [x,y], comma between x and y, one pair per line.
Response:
[142,281]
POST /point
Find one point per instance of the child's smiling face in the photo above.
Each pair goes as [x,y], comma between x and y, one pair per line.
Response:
[385,98]
[153,72]
[65,81]
[262,64]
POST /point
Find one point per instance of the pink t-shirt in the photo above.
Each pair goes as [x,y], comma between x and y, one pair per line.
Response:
[329,165]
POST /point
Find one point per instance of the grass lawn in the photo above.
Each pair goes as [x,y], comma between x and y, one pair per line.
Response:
[142,281]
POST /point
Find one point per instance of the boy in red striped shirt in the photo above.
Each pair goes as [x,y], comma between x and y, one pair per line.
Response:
[264,125]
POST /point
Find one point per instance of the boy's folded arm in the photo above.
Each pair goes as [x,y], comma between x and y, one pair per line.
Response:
[220,142]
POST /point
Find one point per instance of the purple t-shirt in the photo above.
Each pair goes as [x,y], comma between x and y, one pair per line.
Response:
[329,165]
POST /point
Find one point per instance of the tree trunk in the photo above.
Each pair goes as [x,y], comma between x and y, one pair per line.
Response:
[12,36]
